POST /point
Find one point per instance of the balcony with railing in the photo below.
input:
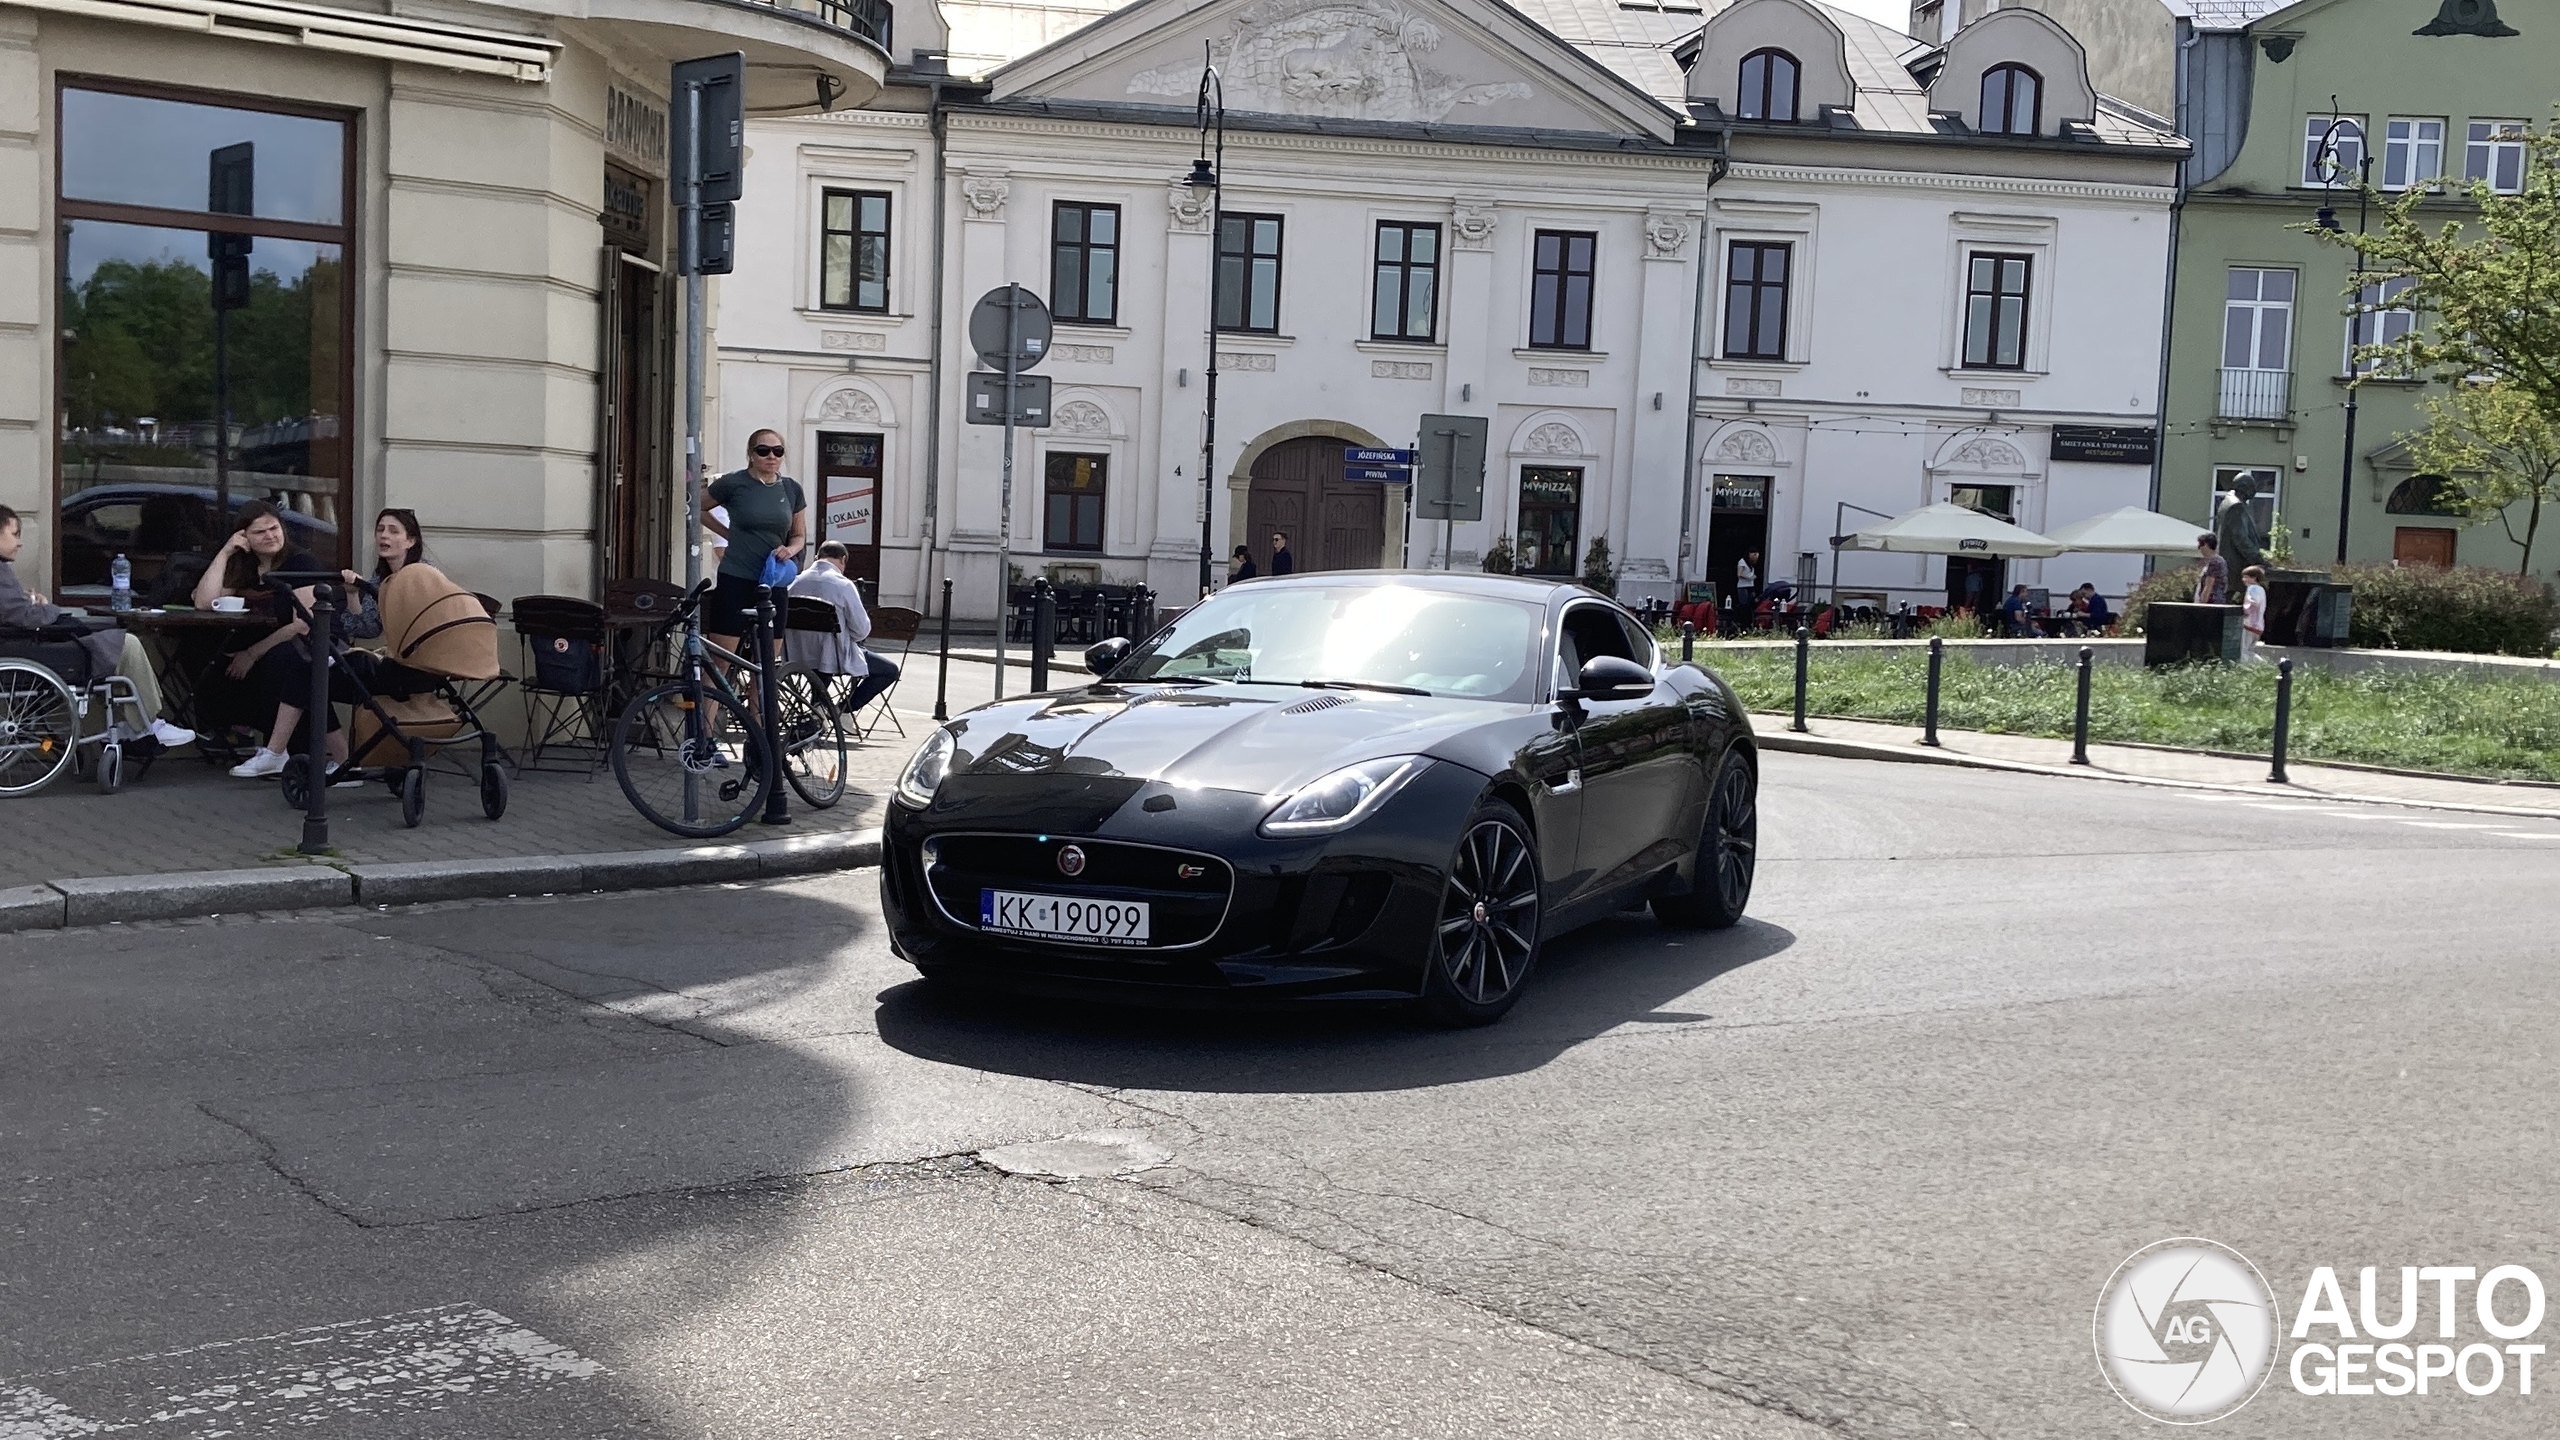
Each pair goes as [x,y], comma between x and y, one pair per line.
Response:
[2256,395]
[864,19]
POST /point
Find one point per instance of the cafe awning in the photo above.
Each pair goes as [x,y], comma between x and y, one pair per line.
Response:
[2129,531]
[1950,529]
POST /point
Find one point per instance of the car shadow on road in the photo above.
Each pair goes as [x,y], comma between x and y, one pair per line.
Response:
[1618,972]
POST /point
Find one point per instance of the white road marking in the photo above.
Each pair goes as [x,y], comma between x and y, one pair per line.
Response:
[2529,834]
[2447,825]
[422,1359]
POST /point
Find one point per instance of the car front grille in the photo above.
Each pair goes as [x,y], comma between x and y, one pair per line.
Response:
[1187,892]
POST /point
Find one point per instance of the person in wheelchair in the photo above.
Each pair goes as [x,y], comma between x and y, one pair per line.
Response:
[118,652]
[842,652]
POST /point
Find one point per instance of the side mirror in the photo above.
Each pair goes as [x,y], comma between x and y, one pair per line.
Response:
[1102,659]
[1610,677]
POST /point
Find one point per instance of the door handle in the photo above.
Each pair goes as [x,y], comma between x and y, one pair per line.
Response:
[1571,782]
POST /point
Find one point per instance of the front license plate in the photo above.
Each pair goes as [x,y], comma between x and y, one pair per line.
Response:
[1062,917]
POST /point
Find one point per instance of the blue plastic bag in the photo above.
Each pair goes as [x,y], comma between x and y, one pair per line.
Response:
[779,572]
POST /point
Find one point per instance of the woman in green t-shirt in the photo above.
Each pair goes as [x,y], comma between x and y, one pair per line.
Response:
[768,520]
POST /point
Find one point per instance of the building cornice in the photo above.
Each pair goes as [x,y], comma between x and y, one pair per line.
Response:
[1828,177]
[1185,138]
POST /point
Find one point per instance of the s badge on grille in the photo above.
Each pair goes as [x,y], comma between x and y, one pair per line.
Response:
[1071,860]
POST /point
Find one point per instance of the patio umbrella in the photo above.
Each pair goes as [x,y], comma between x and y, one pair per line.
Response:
[2130,531]
[1950,529]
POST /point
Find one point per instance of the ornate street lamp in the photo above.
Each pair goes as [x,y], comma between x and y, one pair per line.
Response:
[1211,112]
[2329,166]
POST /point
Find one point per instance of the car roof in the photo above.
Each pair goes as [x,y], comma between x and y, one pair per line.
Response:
[1544,588]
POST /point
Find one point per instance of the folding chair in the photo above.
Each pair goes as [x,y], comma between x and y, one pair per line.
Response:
[897,626]
[567,676]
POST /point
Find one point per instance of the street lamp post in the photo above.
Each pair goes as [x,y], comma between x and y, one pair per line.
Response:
[2327,219]
[1206,174]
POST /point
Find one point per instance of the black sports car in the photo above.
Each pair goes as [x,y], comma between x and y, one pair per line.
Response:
[1361,786]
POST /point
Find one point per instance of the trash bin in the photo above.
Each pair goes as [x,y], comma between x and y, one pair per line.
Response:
[2178,634]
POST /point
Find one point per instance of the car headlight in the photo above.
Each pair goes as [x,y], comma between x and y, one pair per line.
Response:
[926,768]
[1344,798]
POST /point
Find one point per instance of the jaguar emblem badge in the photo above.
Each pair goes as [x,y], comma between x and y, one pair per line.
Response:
[1190,872]
[1071,860]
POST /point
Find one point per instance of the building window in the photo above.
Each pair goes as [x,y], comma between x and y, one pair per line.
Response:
[2496,154]
[1084,263]
[1755,301]
[854,270]
[2423,495]
[2012,100]
[1249,274]
[204,329]
[1768,86]
[1560,290]
[2332,149]
[1405,298]
[2378,322]
[1074,519]
[1995,312]
[2257,344]
[2412,152]
[1550,520]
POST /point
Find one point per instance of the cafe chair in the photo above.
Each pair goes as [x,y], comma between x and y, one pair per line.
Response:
[566,679]
[895,625]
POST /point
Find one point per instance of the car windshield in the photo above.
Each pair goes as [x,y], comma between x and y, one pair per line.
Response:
[1399,636]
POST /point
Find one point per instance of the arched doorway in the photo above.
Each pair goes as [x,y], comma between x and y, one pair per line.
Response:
[1332,523]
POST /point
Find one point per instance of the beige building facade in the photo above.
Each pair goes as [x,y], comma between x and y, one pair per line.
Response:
[340,260]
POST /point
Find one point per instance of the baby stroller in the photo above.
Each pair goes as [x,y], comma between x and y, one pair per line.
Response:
[405,701]
[49,679]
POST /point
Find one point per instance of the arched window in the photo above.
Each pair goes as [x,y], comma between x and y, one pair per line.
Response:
[1768,86]
[2012,100]
[2421,495]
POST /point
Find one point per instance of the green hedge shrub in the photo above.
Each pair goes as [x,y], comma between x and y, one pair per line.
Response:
[2175,586]
[2465,608]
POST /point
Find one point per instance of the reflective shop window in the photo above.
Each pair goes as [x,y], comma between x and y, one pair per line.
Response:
[143,150]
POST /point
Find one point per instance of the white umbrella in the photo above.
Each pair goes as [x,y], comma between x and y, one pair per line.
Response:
[1949,529]
[2130,531]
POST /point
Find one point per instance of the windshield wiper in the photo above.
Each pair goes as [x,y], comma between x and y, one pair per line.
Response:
[1337,685]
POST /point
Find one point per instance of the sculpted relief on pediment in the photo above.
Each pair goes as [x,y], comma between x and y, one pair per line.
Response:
[1343,59]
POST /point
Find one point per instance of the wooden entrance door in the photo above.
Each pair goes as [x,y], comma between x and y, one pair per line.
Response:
[2422,545]
[1332,523]
[635,487]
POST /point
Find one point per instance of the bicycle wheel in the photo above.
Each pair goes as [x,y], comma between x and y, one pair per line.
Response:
[690,760]
[813,743]
[39,727]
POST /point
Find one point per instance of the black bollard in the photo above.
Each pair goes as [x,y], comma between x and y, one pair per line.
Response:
[942,682]
[1044,632]
[2080,716]
[1688,641]
[777,806]
[1804,654]
[315,760]
[2284,720]
[1937,665]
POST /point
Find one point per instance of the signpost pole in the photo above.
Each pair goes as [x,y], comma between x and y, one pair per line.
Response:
[1004,530]
[689,265]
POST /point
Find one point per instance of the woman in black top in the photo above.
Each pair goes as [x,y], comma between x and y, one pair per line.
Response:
[1242,568]
[768,520]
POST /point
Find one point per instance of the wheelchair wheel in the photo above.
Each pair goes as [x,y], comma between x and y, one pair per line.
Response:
[39,725]
[813,743]
[295,782]
[493,790]
[413,796]
[110,768]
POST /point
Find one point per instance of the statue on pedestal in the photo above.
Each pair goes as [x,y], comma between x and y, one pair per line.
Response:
[2236,533]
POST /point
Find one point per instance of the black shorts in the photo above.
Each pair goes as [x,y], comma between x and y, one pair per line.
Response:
[730,608]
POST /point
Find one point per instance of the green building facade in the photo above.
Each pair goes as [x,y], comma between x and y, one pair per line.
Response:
[2259,376]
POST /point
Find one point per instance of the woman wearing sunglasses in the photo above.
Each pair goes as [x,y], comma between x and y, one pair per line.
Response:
[768,521]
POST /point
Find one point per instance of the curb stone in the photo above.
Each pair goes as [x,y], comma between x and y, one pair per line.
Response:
[63,904]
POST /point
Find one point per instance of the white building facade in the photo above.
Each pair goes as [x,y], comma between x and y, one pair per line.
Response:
[1447,207]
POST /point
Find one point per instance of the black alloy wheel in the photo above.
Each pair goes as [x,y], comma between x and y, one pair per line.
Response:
[1728,854]
[1486,938]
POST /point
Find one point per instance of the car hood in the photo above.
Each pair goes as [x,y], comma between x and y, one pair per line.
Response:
[1265,740]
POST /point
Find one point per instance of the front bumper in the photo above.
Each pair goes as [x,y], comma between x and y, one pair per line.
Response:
[1341,916]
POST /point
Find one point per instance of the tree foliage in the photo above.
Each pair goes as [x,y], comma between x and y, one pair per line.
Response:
[2500,454]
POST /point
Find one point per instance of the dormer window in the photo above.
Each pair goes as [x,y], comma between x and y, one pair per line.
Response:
[1768,86]
[2012,101]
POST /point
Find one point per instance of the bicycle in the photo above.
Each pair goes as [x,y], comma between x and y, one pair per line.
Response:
[690,754]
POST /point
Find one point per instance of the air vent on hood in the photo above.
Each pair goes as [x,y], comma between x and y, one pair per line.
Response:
[1312,704]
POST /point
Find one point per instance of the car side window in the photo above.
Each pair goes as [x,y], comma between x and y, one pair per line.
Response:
[1588,632]
[1640,646]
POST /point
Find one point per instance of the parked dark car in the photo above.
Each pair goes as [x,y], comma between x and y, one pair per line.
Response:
[1371,785]
[150,521]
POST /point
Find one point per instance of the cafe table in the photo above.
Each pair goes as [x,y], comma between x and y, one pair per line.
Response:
[189,650]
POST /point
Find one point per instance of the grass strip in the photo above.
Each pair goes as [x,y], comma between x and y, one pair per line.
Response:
[2457,724]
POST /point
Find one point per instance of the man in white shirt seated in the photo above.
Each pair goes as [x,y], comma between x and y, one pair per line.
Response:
[842,652]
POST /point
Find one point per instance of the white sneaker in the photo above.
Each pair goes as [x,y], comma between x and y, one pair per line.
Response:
[171,736]
[259,766]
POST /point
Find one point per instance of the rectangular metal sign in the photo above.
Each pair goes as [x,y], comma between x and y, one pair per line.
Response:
[1449,484]
[1390,474]
[987,406]
[1356,455]
[2105,444]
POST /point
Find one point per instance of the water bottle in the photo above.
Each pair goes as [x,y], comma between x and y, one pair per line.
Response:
[120,575]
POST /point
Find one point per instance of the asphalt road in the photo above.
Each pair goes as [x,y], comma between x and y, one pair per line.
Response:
[704,1163]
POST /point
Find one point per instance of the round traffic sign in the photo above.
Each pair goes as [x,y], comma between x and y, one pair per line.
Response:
[1009,323]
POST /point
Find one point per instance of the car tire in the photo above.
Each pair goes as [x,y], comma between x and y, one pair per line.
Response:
[1727,856]
[1485,935]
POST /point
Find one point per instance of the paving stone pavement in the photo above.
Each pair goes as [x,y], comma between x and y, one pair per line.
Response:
[188,815]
